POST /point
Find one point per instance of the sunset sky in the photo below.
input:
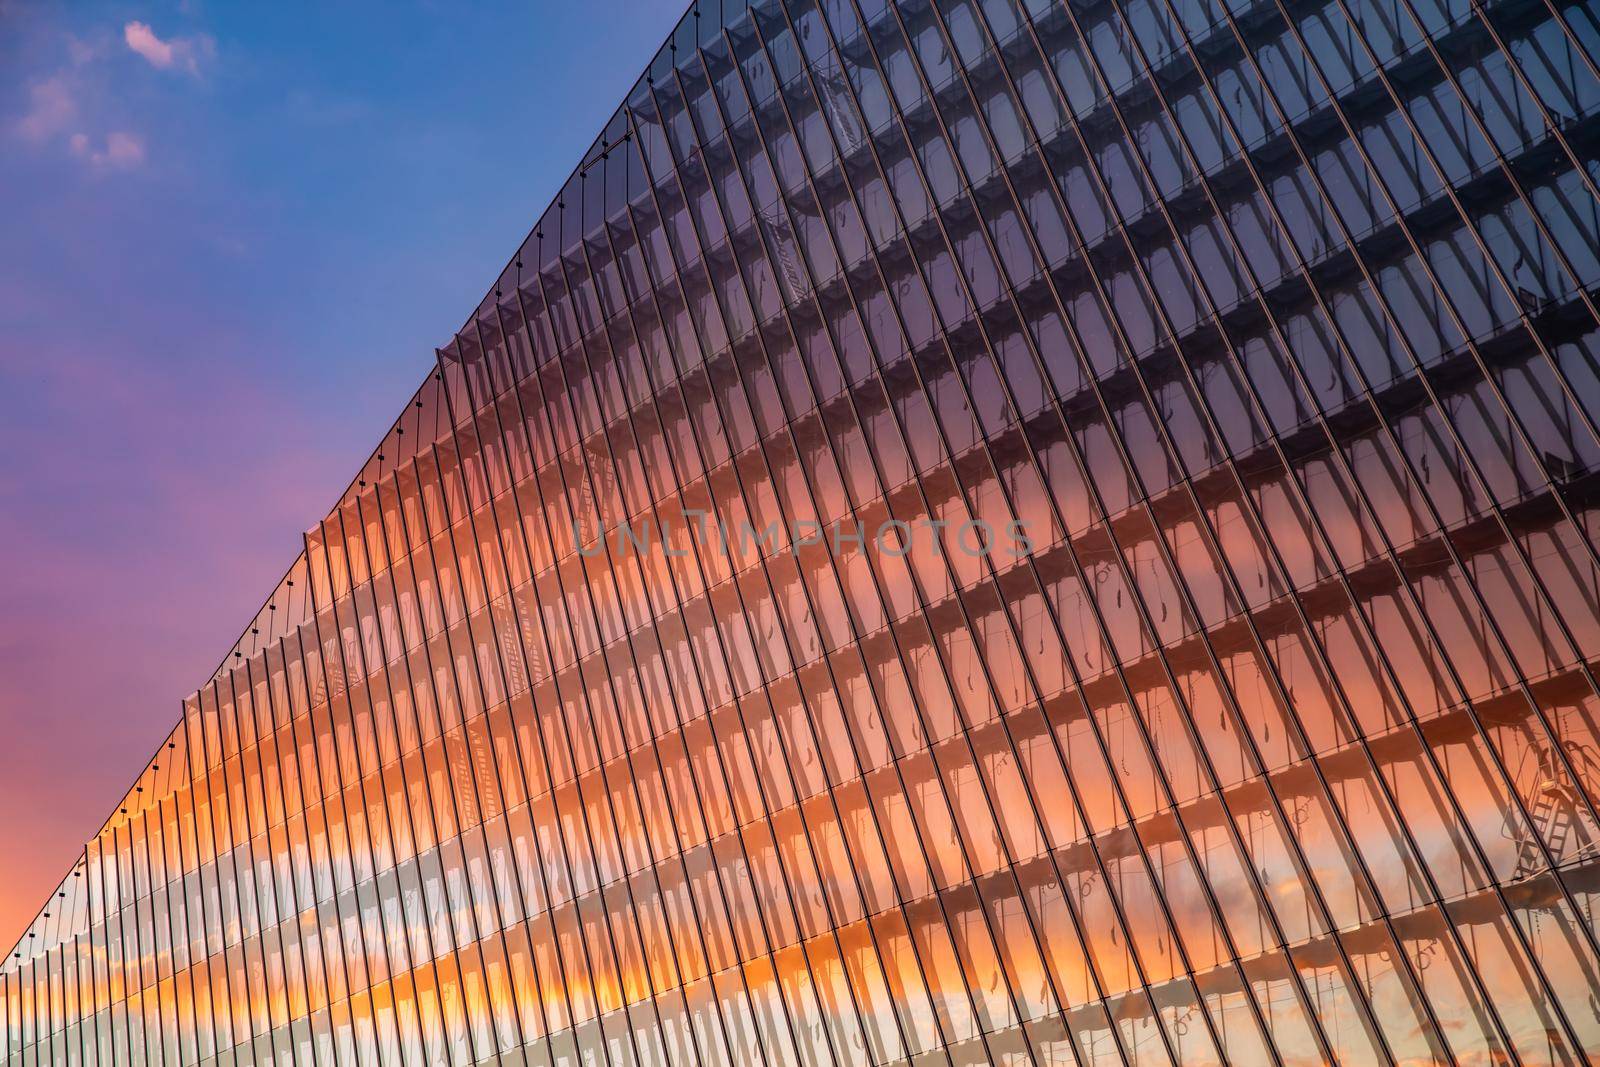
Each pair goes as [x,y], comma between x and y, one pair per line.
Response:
[230,236]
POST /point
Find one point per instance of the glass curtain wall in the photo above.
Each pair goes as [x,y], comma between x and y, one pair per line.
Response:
[1025,532]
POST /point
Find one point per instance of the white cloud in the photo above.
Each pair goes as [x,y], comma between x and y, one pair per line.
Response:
[122,150]
[51,107]
[177,53]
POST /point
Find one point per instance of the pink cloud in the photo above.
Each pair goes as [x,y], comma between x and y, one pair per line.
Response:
[51,106]
[143,40]
[83,51]
[182,53]
[122,150]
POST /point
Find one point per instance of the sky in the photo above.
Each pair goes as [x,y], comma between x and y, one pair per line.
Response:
[231,236]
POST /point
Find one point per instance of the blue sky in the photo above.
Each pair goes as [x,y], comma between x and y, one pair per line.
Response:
[230,236]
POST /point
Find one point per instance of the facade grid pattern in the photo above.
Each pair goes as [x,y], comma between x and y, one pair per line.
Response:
[972,532]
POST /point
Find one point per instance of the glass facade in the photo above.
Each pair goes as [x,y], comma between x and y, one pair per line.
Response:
[972,531]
